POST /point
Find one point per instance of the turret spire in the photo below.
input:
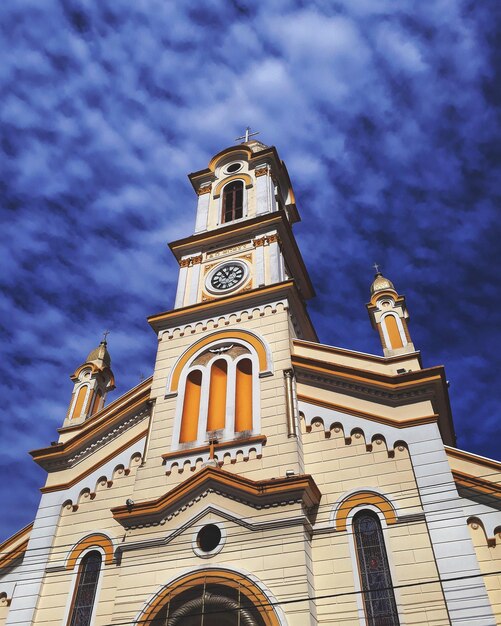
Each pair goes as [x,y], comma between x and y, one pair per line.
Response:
[388,314]
[92,381]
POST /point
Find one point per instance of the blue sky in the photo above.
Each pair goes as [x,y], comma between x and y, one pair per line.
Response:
[386,114]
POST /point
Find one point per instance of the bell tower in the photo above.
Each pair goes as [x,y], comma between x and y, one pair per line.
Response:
[243,239]
[225,348]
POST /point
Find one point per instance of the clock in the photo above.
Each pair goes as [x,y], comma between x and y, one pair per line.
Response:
[226,277]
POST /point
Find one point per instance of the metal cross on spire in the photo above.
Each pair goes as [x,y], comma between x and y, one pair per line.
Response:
[105,335]
[376,267]
[247,135]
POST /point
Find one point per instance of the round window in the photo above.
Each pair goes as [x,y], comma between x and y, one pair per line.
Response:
[209,538]
[234,167]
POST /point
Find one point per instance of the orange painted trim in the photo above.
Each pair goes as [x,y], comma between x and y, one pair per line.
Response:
[470,457]
[217,446]
[9,552]
[97,540]
[220,335]
[262,491]
[230,579]
[363,498]
[223,183]
[68,447]
[226,300]
[240,148]
[477,484]
[369,377]
[321,347]
[73,481]
[106,413]
[415,421]
[206,238]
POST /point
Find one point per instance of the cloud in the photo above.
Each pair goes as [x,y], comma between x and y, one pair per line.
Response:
[385,115]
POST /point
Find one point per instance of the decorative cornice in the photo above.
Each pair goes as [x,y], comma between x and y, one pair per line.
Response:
[205,189]
[192,260]
[393,390]
[235,304]
[470,457]
[127,444]
[415,421]
[374,358]
[239,231]
[485,487]
[257,494]
[244,446]
[219,321]
[269,525]
[68,454]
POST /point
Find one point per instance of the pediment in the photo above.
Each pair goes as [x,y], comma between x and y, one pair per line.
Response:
[255,494]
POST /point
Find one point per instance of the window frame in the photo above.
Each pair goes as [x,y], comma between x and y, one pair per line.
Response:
[75,577]
[357,578]
[222,212]
[229,429]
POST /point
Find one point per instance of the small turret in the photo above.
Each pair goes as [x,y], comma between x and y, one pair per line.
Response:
[92,381]
[388,314]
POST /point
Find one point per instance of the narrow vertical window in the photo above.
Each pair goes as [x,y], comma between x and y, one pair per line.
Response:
[85,590]
[216,415]
[379,599]
[243,396]
[393,332]
[233,201]
[191,407]
[79,404]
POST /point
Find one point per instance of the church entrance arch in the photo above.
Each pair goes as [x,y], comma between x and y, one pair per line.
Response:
[211,598]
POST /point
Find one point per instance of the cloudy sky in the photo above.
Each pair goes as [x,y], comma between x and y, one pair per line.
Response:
[384,112]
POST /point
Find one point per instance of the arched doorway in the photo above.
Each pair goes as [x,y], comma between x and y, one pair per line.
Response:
[211,598]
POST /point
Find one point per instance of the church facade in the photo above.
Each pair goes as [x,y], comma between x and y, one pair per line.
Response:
[258,477]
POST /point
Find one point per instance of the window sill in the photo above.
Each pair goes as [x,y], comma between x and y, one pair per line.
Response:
[191,456]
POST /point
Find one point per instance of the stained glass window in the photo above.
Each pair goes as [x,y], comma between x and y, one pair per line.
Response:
[379,599]
[85,590]
[233,201]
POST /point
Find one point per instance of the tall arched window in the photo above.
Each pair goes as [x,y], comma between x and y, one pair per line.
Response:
[393,331]
[85,590]
[191,407]
[379,599]
[243,396]
[219,397]
[233,201]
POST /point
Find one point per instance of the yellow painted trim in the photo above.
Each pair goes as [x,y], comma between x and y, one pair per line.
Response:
[215,159]
[223,183]
[222,335]
[232,579]
[363,498]
[373,417]
[75,479]
[97,540]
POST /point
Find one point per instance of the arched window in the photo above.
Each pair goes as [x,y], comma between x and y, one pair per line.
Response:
[191,407]
[85,590]
[243,396]
[379,599]
[233,201]
[393,330]
[220,396]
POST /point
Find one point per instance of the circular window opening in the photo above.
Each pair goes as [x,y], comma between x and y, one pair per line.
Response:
[209,538]
[234,167]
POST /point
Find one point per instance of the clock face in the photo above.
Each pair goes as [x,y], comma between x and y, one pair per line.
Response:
[227,276]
